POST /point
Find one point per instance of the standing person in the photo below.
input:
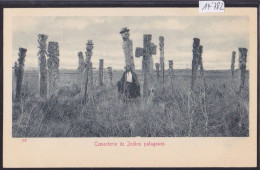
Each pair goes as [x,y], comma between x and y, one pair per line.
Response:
[129,85]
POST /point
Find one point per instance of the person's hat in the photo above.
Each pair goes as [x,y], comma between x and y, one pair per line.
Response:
[123,30]
[90,42]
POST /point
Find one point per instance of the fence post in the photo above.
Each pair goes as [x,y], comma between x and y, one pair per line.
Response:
[101,76]
[147,51]
[19,71]
[233,60]
[42,65]
[110,75]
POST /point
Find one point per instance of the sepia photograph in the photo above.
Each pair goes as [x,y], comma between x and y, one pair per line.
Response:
[130,87]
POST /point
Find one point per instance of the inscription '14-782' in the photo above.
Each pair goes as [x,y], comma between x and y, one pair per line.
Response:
[211,6]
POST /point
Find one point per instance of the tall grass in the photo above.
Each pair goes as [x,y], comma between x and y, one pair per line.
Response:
[172,110]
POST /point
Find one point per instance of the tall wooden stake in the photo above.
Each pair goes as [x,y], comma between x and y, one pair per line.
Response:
[42,39]
[161,40]
[233,59]
[196,44]
[110,74]
[101,76]
[80,69]
[197,62]
[14,80]
[88,67]
[89,71]
[53,67]
[242,66]
[19,71]
[171,72]
[127,47]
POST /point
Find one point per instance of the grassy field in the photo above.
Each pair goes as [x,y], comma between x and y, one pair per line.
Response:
[172,110]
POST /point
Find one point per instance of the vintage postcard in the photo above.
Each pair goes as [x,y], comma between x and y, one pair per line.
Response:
[130,87]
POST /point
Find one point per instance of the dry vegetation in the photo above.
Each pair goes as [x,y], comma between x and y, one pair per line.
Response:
[172,111]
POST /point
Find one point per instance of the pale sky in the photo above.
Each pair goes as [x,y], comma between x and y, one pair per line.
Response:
[218,35]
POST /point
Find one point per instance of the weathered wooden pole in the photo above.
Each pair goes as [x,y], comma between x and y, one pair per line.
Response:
[100,75]
[127,47]
[195,61]
[157,66]
[147,51]
[242,66]
[19,70]
[161,43]
[233,59]
[88,68]
[80,69]
[171,72]
[14,80]
[110,74]
[53,67]
[42,39]
[89,71]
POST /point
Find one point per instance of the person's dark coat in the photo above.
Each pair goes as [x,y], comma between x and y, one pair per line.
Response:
[131,91]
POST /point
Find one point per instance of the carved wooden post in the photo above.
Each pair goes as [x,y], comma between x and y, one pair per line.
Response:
[161,40]
[195,61]
[80,69]
[127,47]
[101,62]
[53,67]
[89,71]
[19,70]
[88,67]
[157,66]
[242,66]
[233,62]
[42,65]
[147,51]
[110,74]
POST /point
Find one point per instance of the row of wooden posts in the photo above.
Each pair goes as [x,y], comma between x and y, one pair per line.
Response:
[49,68]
